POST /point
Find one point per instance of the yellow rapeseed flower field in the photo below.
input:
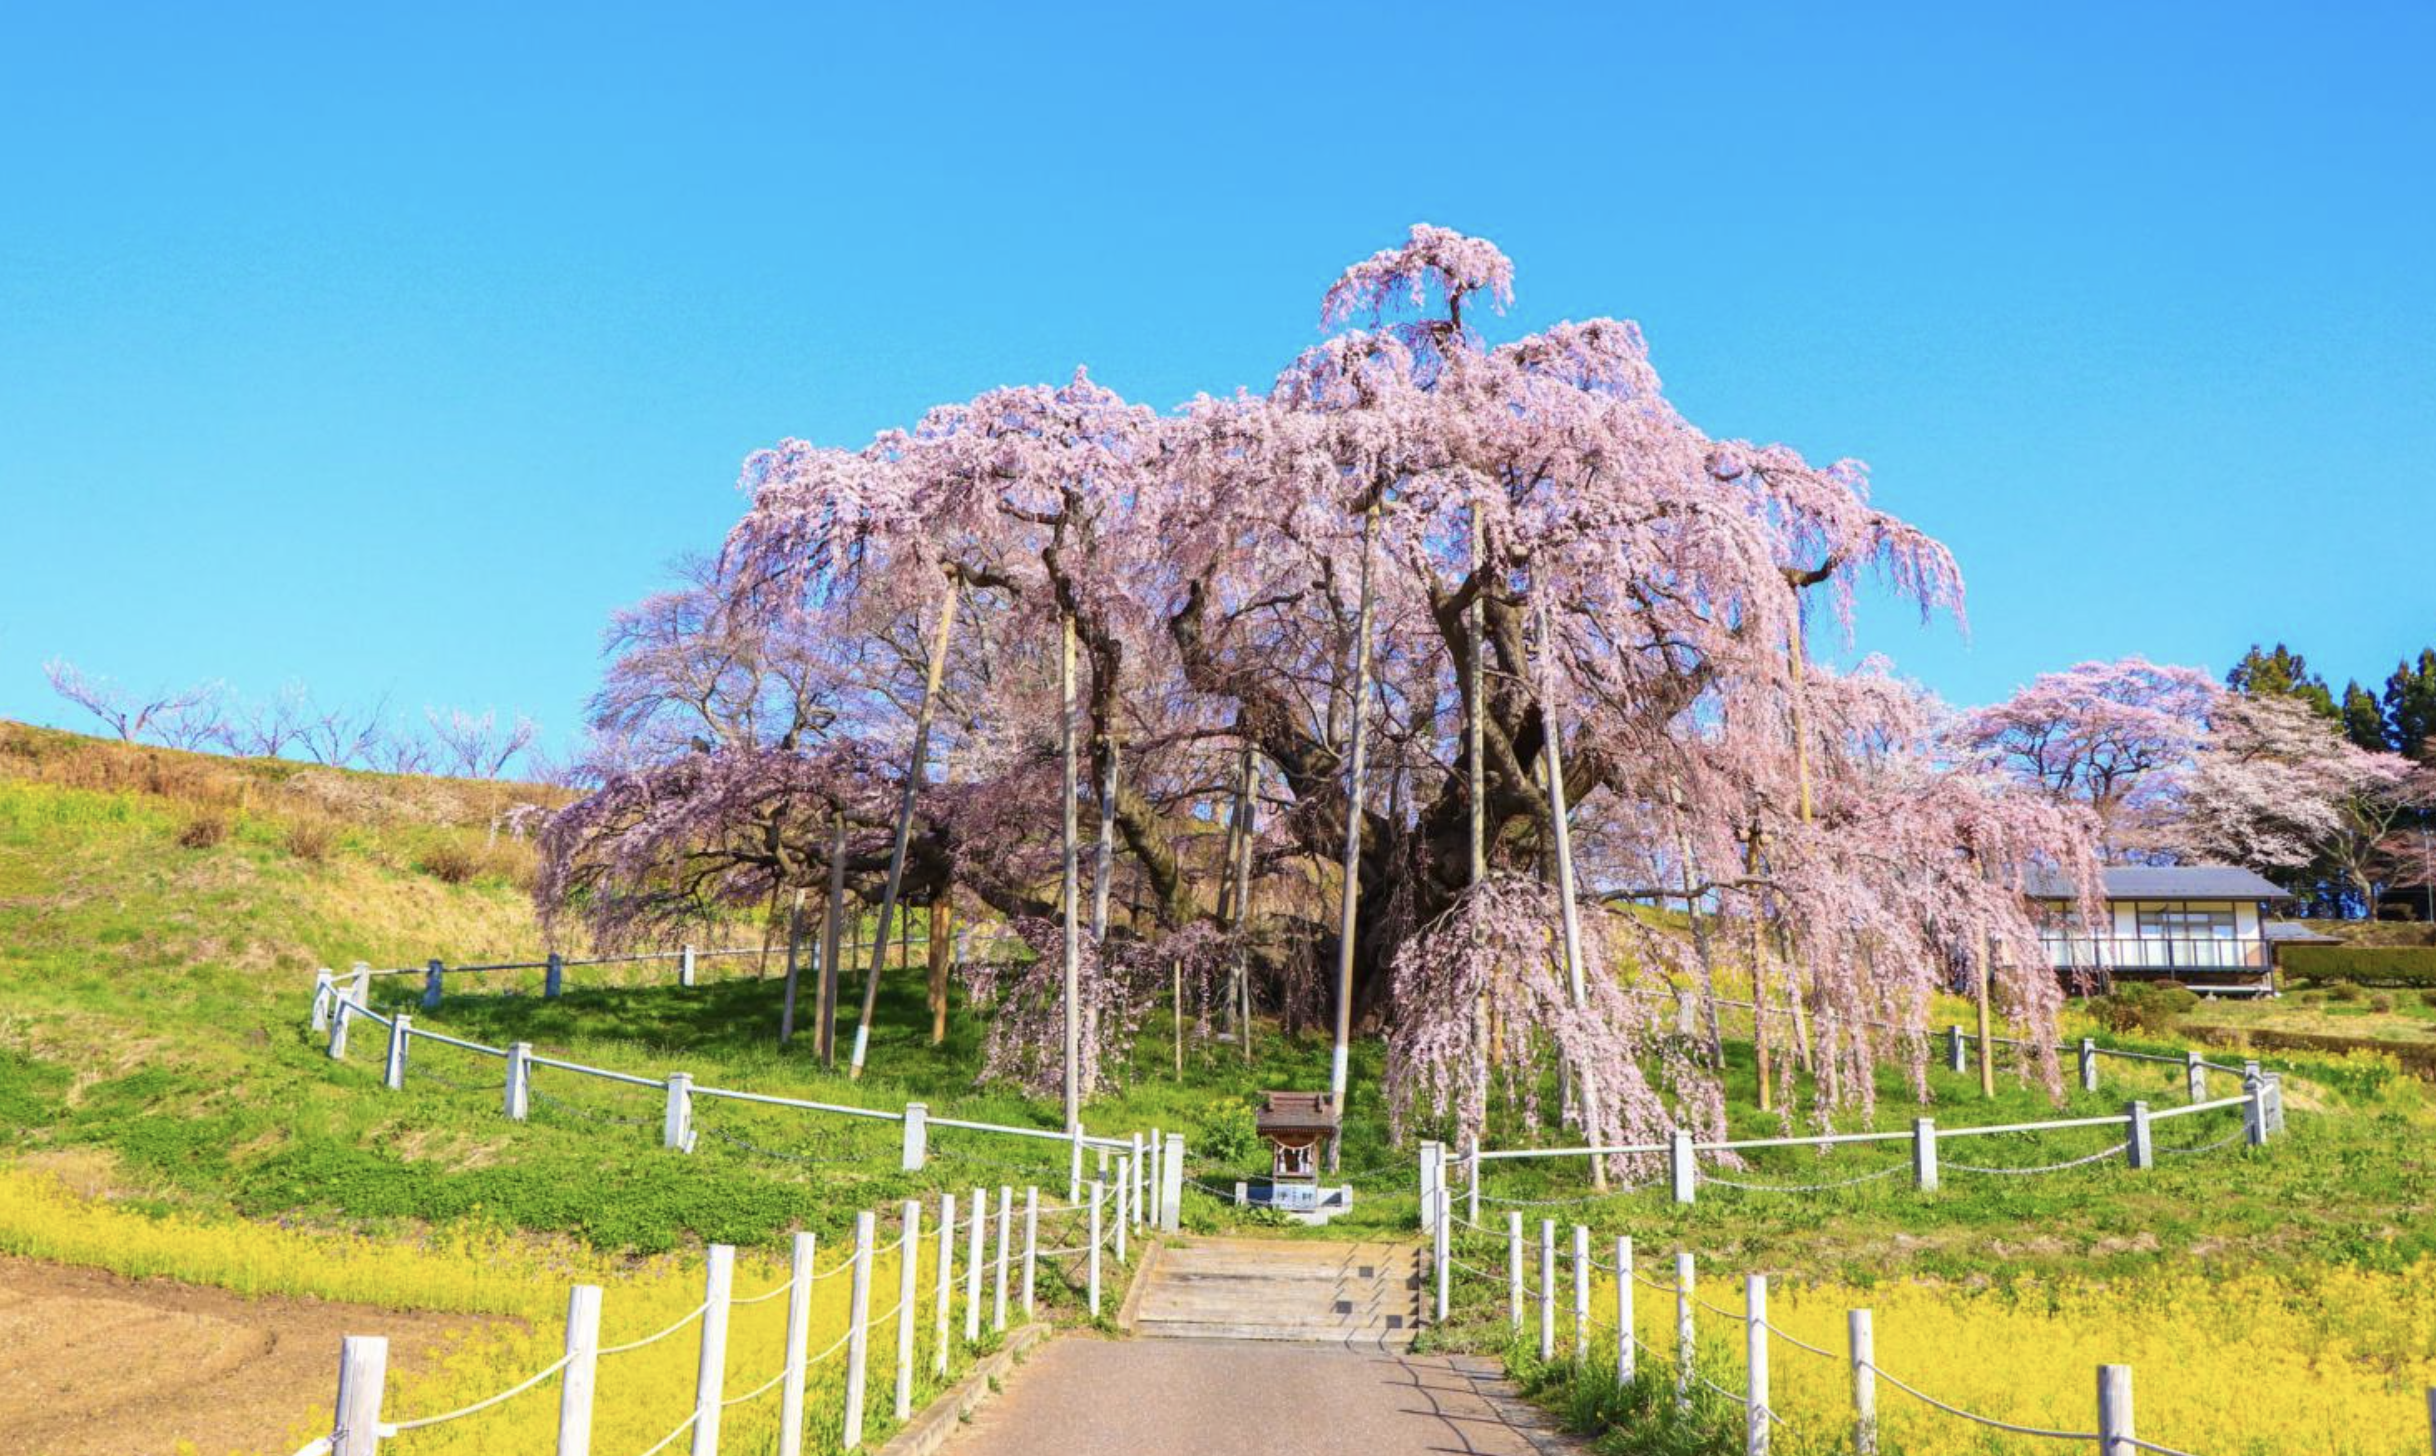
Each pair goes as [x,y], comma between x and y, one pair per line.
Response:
[2325,1361]
[642,1394]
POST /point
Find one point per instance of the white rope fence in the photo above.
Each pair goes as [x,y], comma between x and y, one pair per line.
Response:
[997,1240]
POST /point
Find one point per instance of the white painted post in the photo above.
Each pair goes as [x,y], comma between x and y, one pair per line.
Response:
[1031,1243]
[1124,1202]
[1581,1295]
[685,966]
[2254,1112]
[2141,1150]
[1171,1183]
[1624,1327]
[2197,1073]
[1243,1194]
[858,1334]
[322,993]
[362,990]
[1547,1288]
[710,1370]
[1755,1395]
[1430,1176]
[1514,1275]
[1006,1232]
[1864,1343]
[2115,1433]
[1679,1163]
[554,977]
[431,984]
[1471,1211]
[799,1344]
[1687,1346]
[1074,1167]
[1141,1183]
[1924,1153]
[576,1382]
[677,1122]
[909,1290]
[917,1137]
[363,1368]
[516,1098]
[977,1232]
[393,1069]
[1158,1178]
[1953,1043]
[2432,1416]
[338,1030]
[1096,1190]
[2089,1064]
[1439,1254]
[944,1294]
[2275,1104]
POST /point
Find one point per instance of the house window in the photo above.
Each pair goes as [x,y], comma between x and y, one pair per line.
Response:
[2187,922]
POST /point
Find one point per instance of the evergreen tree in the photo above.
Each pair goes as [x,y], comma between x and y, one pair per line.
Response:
[2410,703]
[2282,673]
[2364,719]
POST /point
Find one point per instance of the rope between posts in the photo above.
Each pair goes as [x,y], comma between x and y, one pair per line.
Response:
[752,1147]
[656,1447]
[417,1069]
[757,1391]
[581,1111]
[833,1349]
[766,1294]
[2102,1153]
[2231,1137]
[2151,1446]
[1799,1344]
[1886,1172]
[683,1320]
[391,1428]
[1921,1395]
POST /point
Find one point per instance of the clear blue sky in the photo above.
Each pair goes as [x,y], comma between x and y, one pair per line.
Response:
[390,351]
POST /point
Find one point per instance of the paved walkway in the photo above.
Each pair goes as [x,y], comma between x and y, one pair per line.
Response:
[1088,1397]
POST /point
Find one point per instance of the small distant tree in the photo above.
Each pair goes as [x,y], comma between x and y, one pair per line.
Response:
[2364,718]
[2120,737]
[2282,673]
[185,713]
[474,745]
[345,737]
[270,727]
[2410,703]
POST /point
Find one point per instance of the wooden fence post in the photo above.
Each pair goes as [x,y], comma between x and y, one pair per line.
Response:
[1006,1232]
[2089,1064]
[1031,1243]
[1547,1289]
[1096,1190]
[363,1368]
[1514,1270]
[1581,1295]
[554,977]
[2139,1147]
[2115,1433]
[858,1334]
[1755,1394]
[677,1120]
[1171,1183]
[2196,1071]
[1624,1319]
[431,984]
[917,1137]
[322,993]
[1924,1154]
[909,1289]
[799,1344]
[1679,1163]
[685,966]
[576,1382]
[1864,1343]
[943,1295]
[710,1368]
[393,1068]
[1687,1345]
[977,1233]
[516,1098]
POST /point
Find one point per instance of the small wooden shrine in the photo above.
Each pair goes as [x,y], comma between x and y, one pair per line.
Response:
[1299,1128]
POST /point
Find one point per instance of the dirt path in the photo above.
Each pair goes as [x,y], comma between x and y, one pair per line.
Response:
[95,1365]
[1086,1397]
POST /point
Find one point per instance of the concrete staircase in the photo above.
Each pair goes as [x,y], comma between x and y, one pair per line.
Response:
[1283,1289]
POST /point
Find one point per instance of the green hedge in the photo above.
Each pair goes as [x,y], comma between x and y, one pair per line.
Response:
[2369,965]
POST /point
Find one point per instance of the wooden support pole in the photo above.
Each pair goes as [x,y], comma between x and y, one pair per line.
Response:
[1070,889]
[832,941]
[1568,914]
[923,714]
[578,1381]
[1987,1029]
[1350,892]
